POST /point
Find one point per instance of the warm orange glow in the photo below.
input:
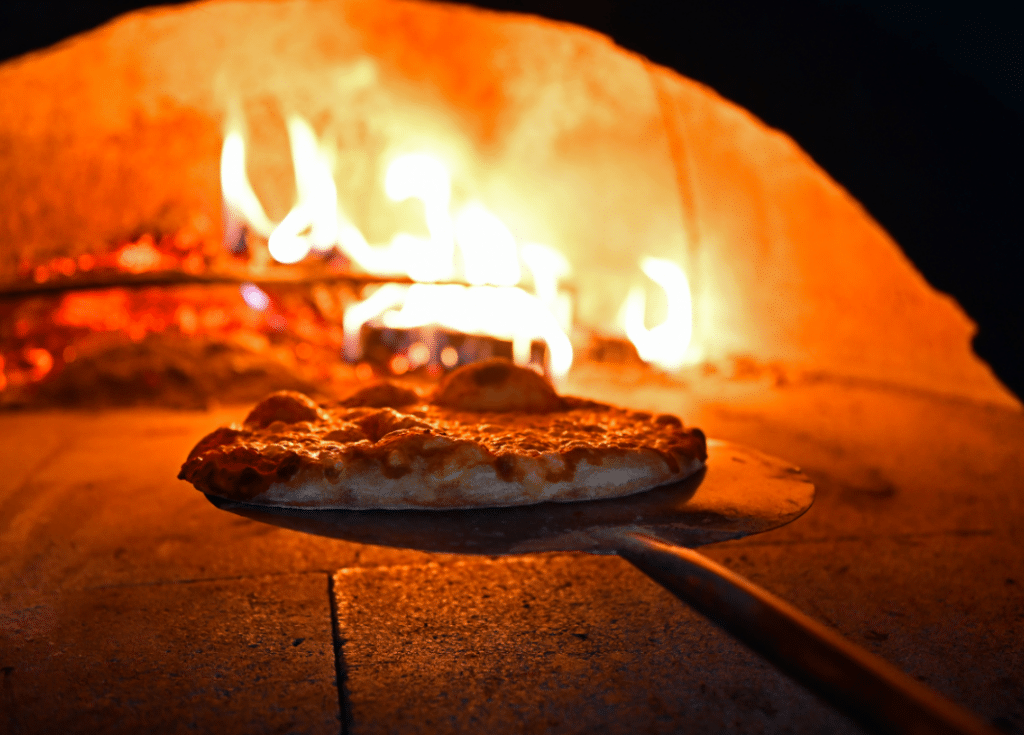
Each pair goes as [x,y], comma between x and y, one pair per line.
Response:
[187,319]
[664,345]
[503,312]
[488,249]
[449,357]
[141,256]
[312,224]
[489,255]
[399,364]
[364,371]
[240,201]
[40,360]
[419,354]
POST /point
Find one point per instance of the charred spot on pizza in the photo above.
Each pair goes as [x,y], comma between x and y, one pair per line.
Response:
[505,466]
[497,385]
[286,406]
[249,478]
[570,460]
[382,395]
[289,466]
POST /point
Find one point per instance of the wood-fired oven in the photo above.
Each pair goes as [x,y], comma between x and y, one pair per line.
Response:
[204,203]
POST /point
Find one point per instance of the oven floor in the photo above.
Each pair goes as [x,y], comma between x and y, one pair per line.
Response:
[129,603]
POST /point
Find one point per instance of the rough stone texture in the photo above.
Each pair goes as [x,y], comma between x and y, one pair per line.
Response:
[129,603]
[911,550]
[571,644]
[559,644]
[947,607]
[252,655]
[124,594]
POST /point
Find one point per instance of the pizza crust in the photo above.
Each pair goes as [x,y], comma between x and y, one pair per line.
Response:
[388,447]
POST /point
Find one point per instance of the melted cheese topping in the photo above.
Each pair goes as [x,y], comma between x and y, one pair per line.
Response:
[361,454]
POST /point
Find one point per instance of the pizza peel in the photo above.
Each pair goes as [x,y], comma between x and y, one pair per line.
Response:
[740,492]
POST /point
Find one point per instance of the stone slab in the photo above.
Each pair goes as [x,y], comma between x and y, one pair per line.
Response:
[557,644]
[947,608]
[911,549]
[575,643]
[247,655]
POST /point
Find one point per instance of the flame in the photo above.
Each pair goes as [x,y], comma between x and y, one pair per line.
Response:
[548,266]
[504,312]
[420,176]
[492,304]
[312,224]
[488,249]
[664,345]
[241,205]
[412,176]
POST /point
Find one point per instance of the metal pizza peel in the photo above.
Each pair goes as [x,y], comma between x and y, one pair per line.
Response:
[740,492]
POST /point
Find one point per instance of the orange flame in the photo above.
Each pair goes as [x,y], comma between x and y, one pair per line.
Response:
[312,224]
[472,245]
[666,344]
[491,305]
[242,206]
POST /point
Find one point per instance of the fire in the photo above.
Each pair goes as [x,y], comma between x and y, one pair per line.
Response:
[664,345]
[312,224]
[488,249]
[241,205]
[466,243]
[504,312]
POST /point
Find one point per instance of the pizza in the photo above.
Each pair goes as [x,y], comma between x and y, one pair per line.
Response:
[492,434]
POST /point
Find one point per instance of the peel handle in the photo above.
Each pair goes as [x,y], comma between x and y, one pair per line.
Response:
[870,690]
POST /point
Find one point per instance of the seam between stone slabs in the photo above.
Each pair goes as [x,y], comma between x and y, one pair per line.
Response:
[340,669]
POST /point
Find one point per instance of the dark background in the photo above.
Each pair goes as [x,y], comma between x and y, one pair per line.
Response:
[915,107]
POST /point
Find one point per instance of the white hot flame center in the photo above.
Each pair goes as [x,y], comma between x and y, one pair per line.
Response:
[664,345]
[488,259]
